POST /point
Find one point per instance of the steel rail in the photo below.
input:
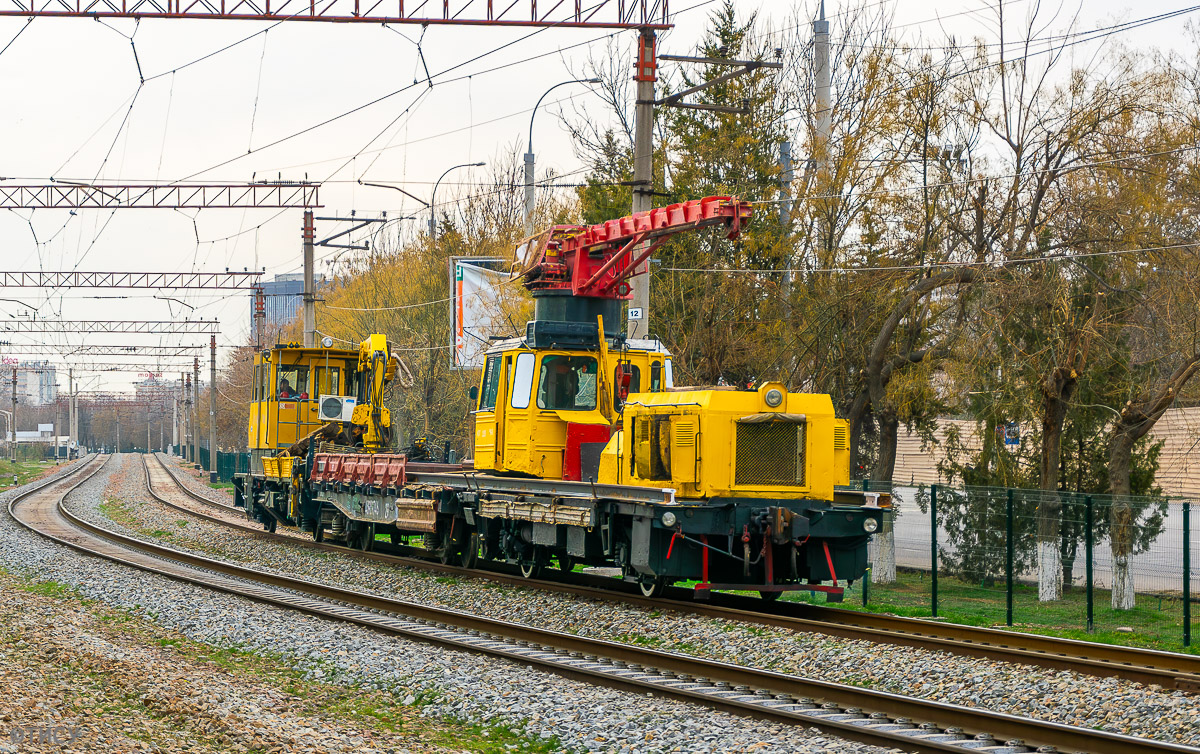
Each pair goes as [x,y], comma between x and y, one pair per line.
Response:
[1168,669]
[860,714]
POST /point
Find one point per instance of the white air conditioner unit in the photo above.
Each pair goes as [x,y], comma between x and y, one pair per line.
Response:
[337,407]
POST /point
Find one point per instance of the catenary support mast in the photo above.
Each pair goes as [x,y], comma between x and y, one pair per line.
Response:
[310,293]
[212,409]
[646,73]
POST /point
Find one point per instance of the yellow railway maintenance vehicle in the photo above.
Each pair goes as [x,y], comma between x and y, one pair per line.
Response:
[304,395]
[586,452]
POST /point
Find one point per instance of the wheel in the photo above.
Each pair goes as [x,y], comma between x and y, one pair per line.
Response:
[470,552]
[270,524]
[395,537]
[651,586]
[531,569]
[769,596]
[318,532]
[566,563]
[446,551]
[366,537]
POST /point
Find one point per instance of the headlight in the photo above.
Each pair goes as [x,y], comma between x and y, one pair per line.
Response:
[870,525]
[773,397]
[668,519]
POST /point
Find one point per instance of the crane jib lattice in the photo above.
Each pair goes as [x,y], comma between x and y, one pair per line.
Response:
[597,260]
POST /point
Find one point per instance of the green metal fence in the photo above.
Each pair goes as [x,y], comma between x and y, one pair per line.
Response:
[1040,560]
[228,464]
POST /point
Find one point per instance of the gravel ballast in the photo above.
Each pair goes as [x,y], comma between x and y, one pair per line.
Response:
[451,684]
[1061,696]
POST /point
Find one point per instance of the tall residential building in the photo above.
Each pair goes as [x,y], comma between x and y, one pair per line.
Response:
[35,383]
[284,296]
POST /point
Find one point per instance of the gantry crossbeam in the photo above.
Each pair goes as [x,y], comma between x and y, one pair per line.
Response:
[137,327]
[155,196]
[187,280]
[31,349]
[593,14]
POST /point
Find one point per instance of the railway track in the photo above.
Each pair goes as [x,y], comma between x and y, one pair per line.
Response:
[873,717]
[1167,669]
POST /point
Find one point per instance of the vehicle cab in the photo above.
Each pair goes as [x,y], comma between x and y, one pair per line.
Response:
[547,403]
[296,391]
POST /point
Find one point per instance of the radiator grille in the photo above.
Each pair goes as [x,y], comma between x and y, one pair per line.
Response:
[841,437]
[685,434]
[771,453]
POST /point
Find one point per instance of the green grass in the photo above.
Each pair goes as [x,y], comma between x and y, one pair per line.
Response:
[221,485]
[26,472]
[639,639]
[1156,622]
[55,589]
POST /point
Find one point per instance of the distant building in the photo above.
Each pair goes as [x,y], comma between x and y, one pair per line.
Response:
[154,389]
[284,295]
[35,381]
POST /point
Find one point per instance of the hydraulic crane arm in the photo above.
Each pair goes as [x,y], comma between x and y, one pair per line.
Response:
[597,260]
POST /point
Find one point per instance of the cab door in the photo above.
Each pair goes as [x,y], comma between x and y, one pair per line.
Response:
[515,437]
[486,424]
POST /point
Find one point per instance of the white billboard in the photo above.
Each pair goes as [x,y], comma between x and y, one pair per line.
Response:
[475,310]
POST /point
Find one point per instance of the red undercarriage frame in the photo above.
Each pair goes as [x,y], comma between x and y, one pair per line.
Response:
[706,587]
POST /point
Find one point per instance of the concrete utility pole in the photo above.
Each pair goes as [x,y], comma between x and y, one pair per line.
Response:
[310,290]
[646,74]
[260,316]
[176,425]
[821,79]
[12,446]
[212,409]
[196,411]
[785,183]
[785,212]
[530,194]
[70,410]
[189,449]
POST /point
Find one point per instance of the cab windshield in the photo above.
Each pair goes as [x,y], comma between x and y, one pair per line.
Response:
[568,383]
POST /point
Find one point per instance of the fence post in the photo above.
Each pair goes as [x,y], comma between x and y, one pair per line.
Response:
[1187,574]
[933,547]
[1008,557]
[866,585]
[1090,544]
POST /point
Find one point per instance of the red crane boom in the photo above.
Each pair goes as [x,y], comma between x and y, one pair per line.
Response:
[597,260]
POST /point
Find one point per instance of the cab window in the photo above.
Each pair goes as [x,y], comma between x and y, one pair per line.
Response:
[521,383]
[292,383]
[568,383]
[491,384]
[328,380]
[668,375]
[255,382]
[656,372]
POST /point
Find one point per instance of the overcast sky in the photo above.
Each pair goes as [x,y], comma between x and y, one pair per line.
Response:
[73,107]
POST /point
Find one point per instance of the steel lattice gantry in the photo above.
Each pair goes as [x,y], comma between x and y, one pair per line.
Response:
[32,349]
[275,195]
[134,327]
[593,14]
[184,280]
